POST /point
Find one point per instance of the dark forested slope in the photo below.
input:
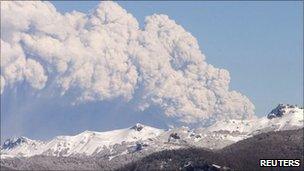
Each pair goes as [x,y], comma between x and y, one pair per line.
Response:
[243,155]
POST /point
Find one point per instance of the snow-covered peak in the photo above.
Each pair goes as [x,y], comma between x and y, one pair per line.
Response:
[21,146]
[281,118]
[225,132]
[89,142]
[283,109]
[13,142]
[138,127]
[85,143]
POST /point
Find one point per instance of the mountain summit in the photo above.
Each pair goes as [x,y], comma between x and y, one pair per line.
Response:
[281,110]
[85,143]
[13,142]
[138,127]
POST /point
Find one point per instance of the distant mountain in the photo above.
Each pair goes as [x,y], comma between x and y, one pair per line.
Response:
[281,110]
[226,132]
[85,143]
[125,145]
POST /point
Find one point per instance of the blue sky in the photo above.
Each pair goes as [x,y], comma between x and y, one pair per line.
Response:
[259,43]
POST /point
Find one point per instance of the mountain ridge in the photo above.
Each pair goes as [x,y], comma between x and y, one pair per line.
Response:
[148,139]
[243,155]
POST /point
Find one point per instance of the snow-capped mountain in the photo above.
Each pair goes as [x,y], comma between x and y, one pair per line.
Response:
[85,143]
[147,139]
[226,132]
[283,117]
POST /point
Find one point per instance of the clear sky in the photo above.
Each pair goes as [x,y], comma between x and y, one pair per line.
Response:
[259,43]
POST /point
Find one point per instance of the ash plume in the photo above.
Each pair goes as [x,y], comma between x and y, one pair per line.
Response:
[103,55]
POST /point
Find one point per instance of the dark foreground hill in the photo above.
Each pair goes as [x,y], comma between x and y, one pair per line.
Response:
[243,155]
[274,145]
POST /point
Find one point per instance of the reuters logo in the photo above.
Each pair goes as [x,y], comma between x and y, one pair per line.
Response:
[280,162]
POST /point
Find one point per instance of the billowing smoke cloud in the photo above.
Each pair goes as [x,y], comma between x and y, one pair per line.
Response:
[104,55]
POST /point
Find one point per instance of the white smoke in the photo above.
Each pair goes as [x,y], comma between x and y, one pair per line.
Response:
[104,55]
[2,81]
